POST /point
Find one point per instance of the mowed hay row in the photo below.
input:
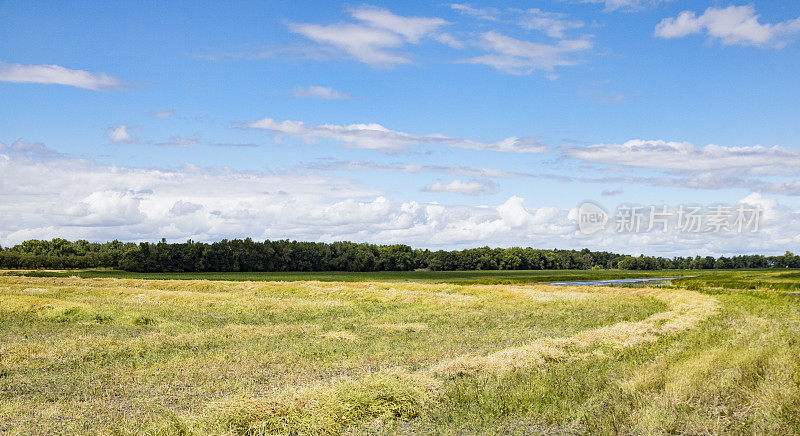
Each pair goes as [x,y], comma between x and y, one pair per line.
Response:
[686,310]
[392,290]
[330,409]
[402,327]
[187,294]
[310,355]
[205,294]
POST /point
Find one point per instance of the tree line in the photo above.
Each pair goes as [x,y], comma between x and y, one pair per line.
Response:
[246,255]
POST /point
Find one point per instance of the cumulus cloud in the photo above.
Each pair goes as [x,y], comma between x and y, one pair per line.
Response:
[376,137]
[472,187]
[103,209]
[319,92]
[84,199]
[121,135]
[520,57]
[78,198]
[513,212]
[57,75]
[181,208]
[60,196]
[374,39]
[733,25]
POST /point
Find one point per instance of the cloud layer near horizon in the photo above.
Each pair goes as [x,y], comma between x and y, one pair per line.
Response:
[50,194]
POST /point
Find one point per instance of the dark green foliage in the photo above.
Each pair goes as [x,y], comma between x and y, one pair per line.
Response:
[63,254]
[246,255]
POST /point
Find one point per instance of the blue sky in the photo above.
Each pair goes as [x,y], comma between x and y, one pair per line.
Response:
[435,124]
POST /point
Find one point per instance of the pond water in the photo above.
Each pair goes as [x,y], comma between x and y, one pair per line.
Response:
[612,282]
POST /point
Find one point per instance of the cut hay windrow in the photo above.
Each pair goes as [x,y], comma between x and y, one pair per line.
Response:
[401,327]
[393,394]
[687,309]
[207,357]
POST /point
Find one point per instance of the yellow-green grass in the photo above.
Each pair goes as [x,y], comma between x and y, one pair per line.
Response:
[736,373]
[130,356]
[739,279]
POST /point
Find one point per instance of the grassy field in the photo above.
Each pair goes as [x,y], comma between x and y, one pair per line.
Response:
[786,280]
[105,352]
[462,277]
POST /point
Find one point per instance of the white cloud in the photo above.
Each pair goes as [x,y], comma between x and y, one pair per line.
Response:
[710,167]
[104,209]
[121,134]
[553,24]
[78,198]
[457,186]
[684,156]
[372,40]
[365,44]
[293,52]
[626,5]
[179,141]
[491,14]
[162,113]
[513,212]
[519,57]
[376,137]
[733,25]
[334,165]
[29,148]
[73,198]
[57,75]
[702,180]
[319,92]
[380,38]
[181,208]
[449,40]
[411,28]
[233,144]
